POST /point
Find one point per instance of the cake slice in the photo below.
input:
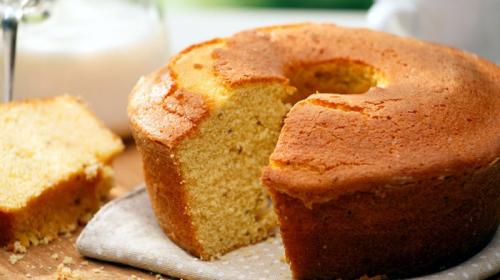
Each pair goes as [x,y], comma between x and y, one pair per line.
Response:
[55,158]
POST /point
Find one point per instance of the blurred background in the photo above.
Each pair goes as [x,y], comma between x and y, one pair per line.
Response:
[204,19]
[98,49]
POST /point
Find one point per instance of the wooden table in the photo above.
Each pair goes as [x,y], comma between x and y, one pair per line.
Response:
[39,261]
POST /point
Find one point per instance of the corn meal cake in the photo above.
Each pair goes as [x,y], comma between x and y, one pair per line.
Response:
[54,168]
[387,163]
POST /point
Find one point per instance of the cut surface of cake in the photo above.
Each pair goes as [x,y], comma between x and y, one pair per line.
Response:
[54,168]
[205,188]
[387,162]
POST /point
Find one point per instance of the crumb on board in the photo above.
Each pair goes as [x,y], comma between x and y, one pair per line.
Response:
[40,241]
[45,240]
[66,273]
[68,260]
[14,258]
[84,263]
[133,277]
[55,256]
[68,229]
[19,248]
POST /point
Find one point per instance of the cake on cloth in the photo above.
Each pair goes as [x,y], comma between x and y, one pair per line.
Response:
[387,163]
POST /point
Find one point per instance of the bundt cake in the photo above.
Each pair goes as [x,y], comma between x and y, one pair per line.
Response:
[387,163]
[54,170]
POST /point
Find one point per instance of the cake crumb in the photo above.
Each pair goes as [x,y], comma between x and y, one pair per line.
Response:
[91,171]
[35,241]
[68,260]
[28,275]
[133,277]
[84,263]
[19,248]
[45,240]
[14,258]
[55,256]
[66,273]
[159,277]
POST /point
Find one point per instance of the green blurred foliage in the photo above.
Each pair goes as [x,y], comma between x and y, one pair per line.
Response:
[306,4]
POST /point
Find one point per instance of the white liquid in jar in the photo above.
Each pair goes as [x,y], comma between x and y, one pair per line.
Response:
[96,49]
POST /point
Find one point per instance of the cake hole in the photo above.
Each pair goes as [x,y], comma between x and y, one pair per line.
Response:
[336,76]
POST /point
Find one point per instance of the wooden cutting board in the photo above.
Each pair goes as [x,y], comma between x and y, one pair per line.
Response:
[40,261]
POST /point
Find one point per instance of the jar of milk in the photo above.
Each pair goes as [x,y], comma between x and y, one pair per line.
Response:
[95,49]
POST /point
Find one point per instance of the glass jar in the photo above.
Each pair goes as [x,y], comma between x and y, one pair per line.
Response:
[94,49]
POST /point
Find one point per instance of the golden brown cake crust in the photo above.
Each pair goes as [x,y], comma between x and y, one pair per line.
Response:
[397,180]
[167,193]
[430,104]
[400,231]
[162,110]
[6,228]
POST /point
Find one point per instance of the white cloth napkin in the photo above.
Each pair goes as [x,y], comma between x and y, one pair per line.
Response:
[465,24]
[125,231]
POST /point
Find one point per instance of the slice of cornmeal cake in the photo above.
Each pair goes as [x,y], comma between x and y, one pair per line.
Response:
[55,158]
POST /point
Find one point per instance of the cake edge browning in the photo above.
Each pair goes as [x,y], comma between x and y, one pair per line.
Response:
[162,111]
[157,141]
[167,194]
[424,230]
[80,196]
